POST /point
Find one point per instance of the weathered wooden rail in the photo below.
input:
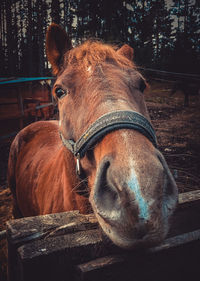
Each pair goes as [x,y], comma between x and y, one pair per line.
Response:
[69,246]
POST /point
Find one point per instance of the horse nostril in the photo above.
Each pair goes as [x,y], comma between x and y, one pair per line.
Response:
[105,193]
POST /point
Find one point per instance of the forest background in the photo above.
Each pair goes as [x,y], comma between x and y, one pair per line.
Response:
[165,34]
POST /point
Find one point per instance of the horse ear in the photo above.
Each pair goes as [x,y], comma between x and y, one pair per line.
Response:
[126,51]
[57,43]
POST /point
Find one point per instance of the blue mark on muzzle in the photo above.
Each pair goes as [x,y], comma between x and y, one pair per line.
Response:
[142,204]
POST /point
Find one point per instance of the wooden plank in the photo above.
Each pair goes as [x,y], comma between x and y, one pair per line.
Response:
[40,226]
[34,108]
[186,218]
[54,257]
[169,261]
[21,108]
[49,247]
[30,229]
[189,197]
[7,103]
[103,268]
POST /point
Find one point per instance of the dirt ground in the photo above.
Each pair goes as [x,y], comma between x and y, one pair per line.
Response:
[178,133]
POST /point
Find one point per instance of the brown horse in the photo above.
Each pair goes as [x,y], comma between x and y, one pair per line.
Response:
[103,147]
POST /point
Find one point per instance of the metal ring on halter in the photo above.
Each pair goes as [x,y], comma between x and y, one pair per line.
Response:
[78,166]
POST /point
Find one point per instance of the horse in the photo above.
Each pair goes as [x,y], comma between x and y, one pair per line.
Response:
[101,156]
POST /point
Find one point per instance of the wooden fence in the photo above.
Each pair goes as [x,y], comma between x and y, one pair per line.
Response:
[23,100]
[168,76]
[69,246]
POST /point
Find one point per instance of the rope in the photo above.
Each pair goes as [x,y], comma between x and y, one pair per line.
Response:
[176,74]
[23,79]
[168,72]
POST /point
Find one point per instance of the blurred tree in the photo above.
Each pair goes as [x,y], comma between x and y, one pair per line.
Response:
[161,33]
[55,11]
[3,57]
[9,39]
[163,36]
[29,37]
[186,52]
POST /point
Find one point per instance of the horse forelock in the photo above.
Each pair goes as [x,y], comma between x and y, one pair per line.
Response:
[91,53]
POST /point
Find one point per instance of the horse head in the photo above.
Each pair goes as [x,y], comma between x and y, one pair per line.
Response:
[104,122]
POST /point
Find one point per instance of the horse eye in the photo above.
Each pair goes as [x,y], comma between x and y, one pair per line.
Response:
[60,93]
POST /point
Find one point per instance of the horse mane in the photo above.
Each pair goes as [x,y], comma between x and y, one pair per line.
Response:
[92,53]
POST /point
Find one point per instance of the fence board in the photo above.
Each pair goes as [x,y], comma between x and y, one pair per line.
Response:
[69,246]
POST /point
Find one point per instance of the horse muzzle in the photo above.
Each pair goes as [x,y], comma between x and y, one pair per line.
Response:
[130,215]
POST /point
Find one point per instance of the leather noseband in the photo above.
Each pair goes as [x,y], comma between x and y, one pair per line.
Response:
[107,123]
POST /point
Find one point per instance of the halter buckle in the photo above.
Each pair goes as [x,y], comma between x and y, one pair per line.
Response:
[78,165]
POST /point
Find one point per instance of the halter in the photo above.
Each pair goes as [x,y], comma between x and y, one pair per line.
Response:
[107,123]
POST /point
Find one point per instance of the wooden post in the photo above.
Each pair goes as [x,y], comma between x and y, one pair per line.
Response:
[21,108]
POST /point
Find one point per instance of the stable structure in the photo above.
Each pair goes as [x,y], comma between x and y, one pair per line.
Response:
[22,101]
[69,246]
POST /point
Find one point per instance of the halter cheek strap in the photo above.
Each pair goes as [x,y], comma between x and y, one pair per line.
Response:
[107,123]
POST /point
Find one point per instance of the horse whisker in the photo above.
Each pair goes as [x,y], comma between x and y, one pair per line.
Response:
[79,187]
